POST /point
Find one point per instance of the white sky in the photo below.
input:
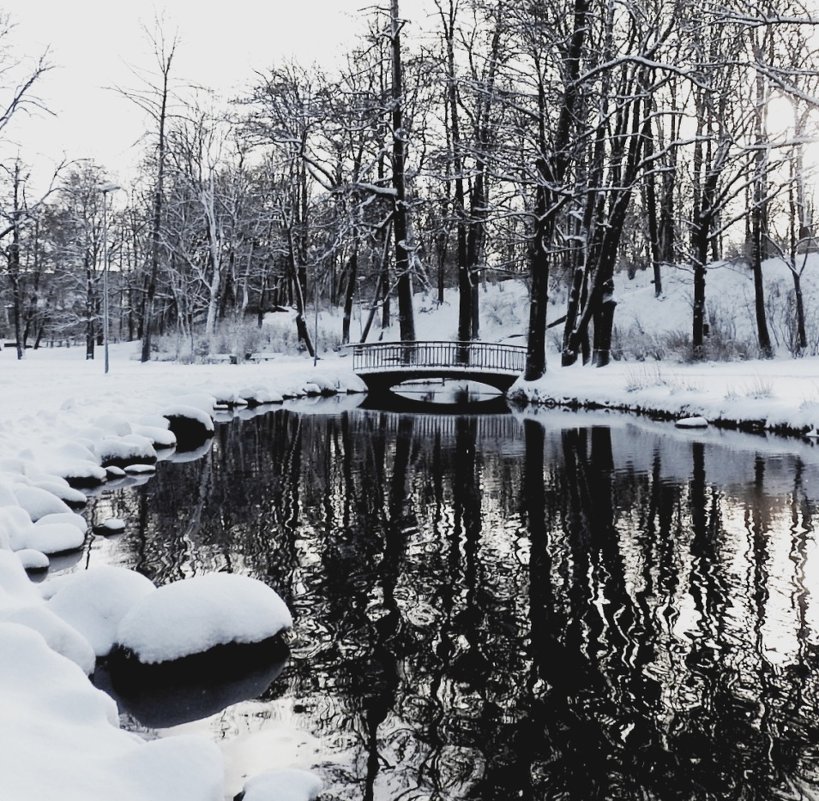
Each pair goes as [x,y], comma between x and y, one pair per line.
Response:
[95,43]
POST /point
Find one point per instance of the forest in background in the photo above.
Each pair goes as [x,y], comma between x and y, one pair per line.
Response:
[562,142]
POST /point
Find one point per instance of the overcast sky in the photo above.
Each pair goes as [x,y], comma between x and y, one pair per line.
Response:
[94,44]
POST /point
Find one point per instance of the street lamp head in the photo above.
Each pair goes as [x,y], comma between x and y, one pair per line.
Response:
[108,187]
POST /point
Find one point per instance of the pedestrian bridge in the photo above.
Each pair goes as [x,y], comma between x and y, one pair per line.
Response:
[383,365]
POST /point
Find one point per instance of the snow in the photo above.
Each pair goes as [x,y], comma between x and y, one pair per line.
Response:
[692,422]
[282,785]
[194,615]
[47,704]
[39,502]
[123,450]
[60,737]
[51,538]
[139,469]
[94,602]
[112,525]
[31,559]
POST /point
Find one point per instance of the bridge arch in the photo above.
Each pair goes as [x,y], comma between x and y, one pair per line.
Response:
[383,365]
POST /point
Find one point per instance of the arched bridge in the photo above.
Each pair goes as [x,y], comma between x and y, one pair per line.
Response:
[382,365]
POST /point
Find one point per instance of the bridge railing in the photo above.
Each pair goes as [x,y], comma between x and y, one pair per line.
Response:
[489,356]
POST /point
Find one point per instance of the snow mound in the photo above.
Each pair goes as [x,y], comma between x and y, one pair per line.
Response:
[122,451]
[204,401]
[692,422]
[159,437]
[61,637]
[111,525]
[58,486]
[114,472]
[190,425]
[15,526]
[257,395]
[60,737]
[282,785]
[73,519]
[139,469]
[39,502]
[15,587]
[32,560]
[51,538]
[194,615]
[94,602]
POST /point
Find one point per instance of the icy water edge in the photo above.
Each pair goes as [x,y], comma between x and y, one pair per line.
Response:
[493,608]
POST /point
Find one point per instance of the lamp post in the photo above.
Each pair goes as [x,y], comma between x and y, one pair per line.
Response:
[104,190]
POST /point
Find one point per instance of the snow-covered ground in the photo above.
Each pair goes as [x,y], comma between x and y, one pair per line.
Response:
[60,417]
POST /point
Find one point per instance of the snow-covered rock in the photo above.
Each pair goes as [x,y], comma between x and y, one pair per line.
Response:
[111,525]
[94,602]
[39,502]
[692,422]
[15,527]
[52,538]
[73,519]
[159,437]
[282,785]
[139,469]
[61,637]
[61,489]
[189,424]
[60,737]
[194,615]
[31,559]
[122,451]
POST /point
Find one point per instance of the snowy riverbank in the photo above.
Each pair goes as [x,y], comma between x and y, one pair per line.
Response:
[779,395]
[62,417]
[59,736]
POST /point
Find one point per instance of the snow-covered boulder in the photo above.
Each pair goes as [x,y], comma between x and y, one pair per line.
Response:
[692,422]
[39,502]
[53,538]
[123,451]
[72,518]
[139,469]
[111,525]
[61,637]
[16,588]
[60,737]
[94,602]
[195,615]
[15,527]
[58,486]
[160,437]
[258,395]
[282,785]
[190,425]
[228,398]
[32,560]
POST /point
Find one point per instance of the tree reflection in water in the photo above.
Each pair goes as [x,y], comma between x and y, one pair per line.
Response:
[491,609]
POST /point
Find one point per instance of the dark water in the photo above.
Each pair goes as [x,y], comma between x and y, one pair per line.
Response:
[489,608]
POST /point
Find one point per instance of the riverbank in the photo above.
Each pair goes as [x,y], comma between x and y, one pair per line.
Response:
[60,413]
[780,395]
[61,417]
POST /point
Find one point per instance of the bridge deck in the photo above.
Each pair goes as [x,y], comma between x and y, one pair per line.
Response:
[382,365]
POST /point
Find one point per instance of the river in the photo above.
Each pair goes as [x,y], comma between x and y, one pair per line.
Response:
[567,606]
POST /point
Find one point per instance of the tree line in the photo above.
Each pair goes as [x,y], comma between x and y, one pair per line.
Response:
[552,141]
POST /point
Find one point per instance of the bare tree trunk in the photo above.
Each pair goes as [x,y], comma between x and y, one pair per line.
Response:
[165,58]
[406,319]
